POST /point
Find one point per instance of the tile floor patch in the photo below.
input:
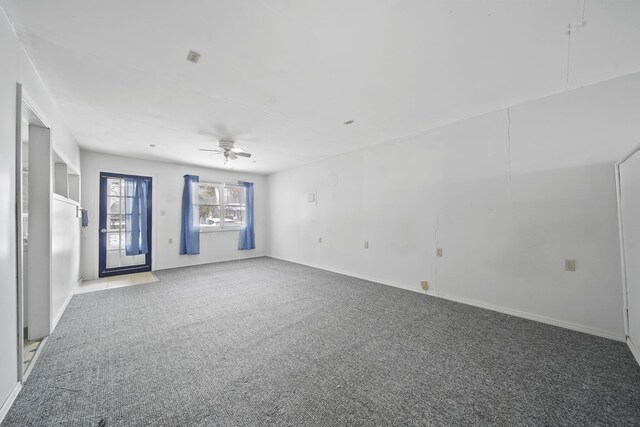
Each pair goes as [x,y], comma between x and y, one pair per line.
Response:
[114,282]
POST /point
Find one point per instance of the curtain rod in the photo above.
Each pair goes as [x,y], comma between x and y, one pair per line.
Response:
[213,181]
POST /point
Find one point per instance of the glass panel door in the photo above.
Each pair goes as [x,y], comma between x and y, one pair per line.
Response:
[113,257]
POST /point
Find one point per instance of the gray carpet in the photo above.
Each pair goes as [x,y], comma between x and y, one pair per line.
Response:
[264,342]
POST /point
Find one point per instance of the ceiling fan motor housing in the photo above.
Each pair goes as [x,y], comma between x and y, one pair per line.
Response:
[226,144]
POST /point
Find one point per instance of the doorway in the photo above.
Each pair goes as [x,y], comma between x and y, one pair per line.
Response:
[32,144]
[125,224]
[29,346]
[628,189]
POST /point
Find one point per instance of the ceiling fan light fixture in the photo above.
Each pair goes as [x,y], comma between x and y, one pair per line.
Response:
[227,148]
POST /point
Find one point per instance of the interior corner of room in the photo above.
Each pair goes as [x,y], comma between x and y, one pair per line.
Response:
[436,156]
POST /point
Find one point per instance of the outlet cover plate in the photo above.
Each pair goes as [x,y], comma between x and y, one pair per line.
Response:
[569,265]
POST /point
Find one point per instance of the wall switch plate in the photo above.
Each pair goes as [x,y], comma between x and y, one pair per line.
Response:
[423,284]
[319,239]
[170,241]
[569,265]
[438,251]
[366,244]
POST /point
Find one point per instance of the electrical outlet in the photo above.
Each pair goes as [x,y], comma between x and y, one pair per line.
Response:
[319,239]
[366,244]
[423,284]
[438,251]
[569,265]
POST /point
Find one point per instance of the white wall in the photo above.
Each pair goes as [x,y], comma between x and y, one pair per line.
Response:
[506,202]
[9,74]
[65,255]
[168,183]
[16,67]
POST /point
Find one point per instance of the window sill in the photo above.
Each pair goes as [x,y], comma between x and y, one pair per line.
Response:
[218,229]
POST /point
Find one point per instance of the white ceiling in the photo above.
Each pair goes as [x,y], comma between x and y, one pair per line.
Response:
[281,76]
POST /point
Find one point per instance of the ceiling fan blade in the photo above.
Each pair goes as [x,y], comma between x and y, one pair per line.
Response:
[242,154]
[217,150]
[232,155]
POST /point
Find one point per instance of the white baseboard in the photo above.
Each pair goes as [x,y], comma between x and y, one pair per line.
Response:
[62,309]
[204,262]
[4,410]
[350,274]
[634,350]
[480,304]
[531,316]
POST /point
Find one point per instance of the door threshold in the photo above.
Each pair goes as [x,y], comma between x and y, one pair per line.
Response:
[113,282]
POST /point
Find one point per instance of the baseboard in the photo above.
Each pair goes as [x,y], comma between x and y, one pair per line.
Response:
[171,267]
[62,309]
[475,303]
[634,350]
[4,410]
[530,316]
[351,274]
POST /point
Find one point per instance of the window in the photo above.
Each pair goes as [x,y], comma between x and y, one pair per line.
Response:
[221,206]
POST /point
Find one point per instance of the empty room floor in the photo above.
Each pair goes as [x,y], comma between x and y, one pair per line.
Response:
[266,342]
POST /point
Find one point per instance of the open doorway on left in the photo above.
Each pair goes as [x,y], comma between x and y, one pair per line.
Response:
[29,347]
[29,126]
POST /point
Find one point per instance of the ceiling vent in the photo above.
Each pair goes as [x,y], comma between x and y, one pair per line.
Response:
[193,57]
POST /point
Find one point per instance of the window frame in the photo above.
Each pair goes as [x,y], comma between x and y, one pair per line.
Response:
[221,185]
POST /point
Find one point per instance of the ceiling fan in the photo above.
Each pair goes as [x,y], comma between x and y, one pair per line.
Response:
[228,149]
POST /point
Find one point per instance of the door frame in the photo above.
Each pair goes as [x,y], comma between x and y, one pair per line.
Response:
[19,239]
[102,217]
[625,301]
[35,117]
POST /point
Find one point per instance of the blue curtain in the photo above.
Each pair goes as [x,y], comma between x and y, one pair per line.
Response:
[247,235]
[136,216]
[189,232]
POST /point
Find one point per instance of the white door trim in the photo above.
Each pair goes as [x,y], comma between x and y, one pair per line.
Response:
[625,301]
